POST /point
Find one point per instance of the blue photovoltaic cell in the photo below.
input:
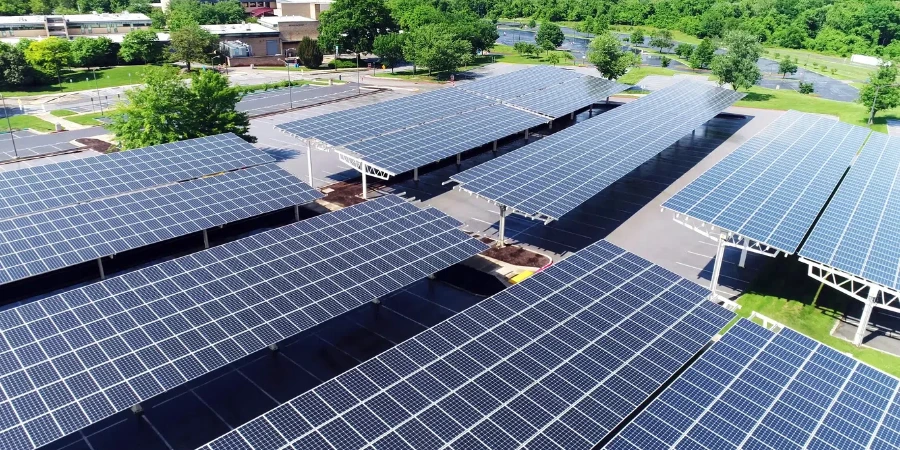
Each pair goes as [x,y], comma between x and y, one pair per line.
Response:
[554,175]
[49,186]
[407,149]
[511,86]
[859,232]
[343,127]
[772,188]
[758,389]
[561,99]
[73,359]
[49,240]
[556,361]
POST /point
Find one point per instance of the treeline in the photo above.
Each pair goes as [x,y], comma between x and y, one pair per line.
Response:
[839,27]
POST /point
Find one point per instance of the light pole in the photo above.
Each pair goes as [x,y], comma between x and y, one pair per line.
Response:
[290,85]
[97,86]
[9,124]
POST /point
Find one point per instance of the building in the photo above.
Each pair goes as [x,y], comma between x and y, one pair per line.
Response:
[248,43]
[70,26]
[304,8]
[292,29]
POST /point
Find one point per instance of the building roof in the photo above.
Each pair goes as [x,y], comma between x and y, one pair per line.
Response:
[274,20]
[75,18]
[237,29]
[22,20]
[321,2]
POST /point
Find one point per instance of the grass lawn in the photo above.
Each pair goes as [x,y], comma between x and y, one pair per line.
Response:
[638,73]
[783,292]
[819,63]
[678,36]
[21,122]
[62,112]
[89,119]
[80,80]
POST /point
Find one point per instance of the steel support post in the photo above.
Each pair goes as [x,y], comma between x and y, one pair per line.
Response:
[364,196]
[458,158]
[572,115]
[744,253]
[717,266]
[205,239]
[100,265]
[502,240]
[273,347]
[495,147]
[296,213]
[864,317]
[309,163]
[591,111]
[416,174]
[550,125]
[526,135]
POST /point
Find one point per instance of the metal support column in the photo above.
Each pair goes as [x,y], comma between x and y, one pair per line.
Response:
[416,174]
[550,125]
[572,115]
[364,196]
[100,265]
[458,158]
[495,147]
[591,111]
[205,239]
[744,253]
[137,409]
[296,213]
[309,163]
[502,240]
[717,266]
[864,317]
[526,135]
[273,347]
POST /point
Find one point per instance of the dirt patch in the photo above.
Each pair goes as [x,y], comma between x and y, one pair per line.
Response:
[96,145]
[516,255]
[346,194]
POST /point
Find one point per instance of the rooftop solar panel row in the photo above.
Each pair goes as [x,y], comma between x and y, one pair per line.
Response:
[415,147]
[759,389]
[772,188]
[557,361]
[49,240]
[49,186]
[509,86]
[858,232]
[569,96]
[554,175]
[75,358]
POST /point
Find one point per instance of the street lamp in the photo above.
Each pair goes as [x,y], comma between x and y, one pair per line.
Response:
[97,86]
[9,124]
[290,85]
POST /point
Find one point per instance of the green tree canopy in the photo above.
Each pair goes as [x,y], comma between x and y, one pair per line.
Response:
[140,46]
[166,109]
[48,56]
[605,52]
[702,55]
[191,43]
[433,47]
[91,52]
[684,50]
[662,39]
[360,20]
[882,90]
[637,37]
[309,54]
[549,36]
[787,66]
[389,48]
[737,66]
[15,71]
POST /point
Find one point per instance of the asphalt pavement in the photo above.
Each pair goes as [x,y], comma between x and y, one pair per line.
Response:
[28,144]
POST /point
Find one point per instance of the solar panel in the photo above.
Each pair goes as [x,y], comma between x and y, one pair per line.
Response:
[554,175]
[49,240]
[759,389]
[858,231]
[511,85]
[407,149]
[555,361]
[772,188]
[49,186]
[561,99]
[75,358]
[343,127]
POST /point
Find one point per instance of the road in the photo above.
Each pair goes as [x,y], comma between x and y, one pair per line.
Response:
[28,144]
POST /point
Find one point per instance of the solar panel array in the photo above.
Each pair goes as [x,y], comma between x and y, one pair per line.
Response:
[509,86]
[858,232]
[561,99]
[772,188]
[49,186]
[75,358]
[552,176]
[558,360]
[343,127]
[415,147]
[759,389]
[49,240]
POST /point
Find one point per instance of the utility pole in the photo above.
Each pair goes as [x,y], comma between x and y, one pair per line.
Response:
[97,86]
[9,124]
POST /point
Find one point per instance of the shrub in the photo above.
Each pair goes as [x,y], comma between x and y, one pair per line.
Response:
[664,61]
[807,88]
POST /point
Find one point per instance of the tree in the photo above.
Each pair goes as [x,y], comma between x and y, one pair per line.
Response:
[14,69]
[664,61]
[807,88]
[191,43]
[684,50]
[882,90]
[702,55]
[48,56]
[549,36]
[166,109]
[553,58]
[91,52]
[433,47]
[519,47]
[737,66]
[661,39]
[353,24]
[309,54]
[605,52]
[637,37]
[786,66]
[140,46]
[389,48]
[532,23]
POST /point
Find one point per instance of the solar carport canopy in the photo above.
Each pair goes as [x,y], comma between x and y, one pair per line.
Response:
[509,86]
[569,96]
[343,127]
[73,359]
[772,188]
[407,149]
[859,232]
[556,361]
[554,175]
[756,389]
